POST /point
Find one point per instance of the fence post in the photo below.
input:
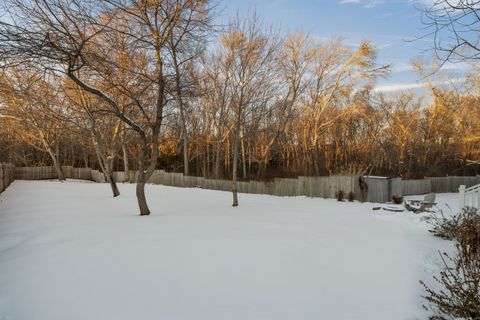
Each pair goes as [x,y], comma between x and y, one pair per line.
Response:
[461,200]
[478,199]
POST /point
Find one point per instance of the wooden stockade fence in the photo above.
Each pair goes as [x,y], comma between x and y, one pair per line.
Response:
[380,189]
[324,187]
[7,175]
[43,173]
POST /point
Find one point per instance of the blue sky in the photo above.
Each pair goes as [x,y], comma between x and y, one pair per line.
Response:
[388,24]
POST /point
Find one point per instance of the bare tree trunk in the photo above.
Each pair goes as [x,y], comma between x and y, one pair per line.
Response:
[235,165]
[109,174]
[316,160]
[73,156]
[126,165]
[113,185]
[259,171]
[185,152]
[216,170]
[56,164]
[140,192]
[106,164]
[218,154]
[244,162]
[85,157]
[143,176]
[207,160]
[181,104]
[58,169]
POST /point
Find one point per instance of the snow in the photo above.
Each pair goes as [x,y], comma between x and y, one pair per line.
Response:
[71,251]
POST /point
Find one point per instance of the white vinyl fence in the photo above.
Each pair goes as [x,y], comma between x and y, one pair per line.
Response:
[469,197]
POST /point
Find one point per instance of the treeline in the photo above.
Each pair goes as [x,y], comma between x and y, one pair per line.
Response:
[372,135]
[122,85]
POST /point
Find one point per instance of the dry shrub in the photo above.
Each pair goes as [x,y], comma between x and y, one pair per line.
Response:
[351,196]
[468,236]
[340,195]
[397,199]
[459,296]
[448,228]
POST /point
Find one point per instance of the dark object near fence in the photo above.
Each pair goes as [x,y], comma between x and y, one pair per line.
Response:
[397,200]
[340,195]
[351,196]
[363,188]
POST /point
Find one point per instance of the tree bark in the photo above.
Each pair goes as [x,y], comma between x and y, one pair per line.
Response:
[244,162]
[59,170]
[235,165]
[113,185]
[56,164]
[144,175]
[126,165]
[106,164]
[185,151]
[140,192]
[216,169]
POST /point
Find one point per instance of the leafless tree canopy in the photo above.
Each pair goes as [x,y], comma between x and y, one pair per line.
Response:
[455,28]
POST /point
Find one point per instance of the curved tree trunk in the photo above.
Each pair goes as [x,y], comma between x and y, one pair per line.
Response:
[106,166]
[113,185]
[56,164]
[144,175]
[140,192]
[59,170]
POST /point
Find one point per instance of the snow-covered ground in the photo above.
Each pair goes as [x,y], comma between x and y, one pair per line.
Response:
[70,251]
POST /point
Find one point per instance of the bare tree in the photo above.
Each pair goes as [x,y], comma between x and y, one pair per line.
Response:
[97,125]
[293,65]
[454,26]
[78,39]
[250,53]
[185,45]
[34,106]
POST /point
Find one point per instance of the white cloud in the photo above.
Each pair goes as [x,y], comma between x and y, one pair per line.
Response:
[384,46]
[426,3]
[448,66]
[349,1]
[365,3]
[460,66]
[402,67]
[395,87]
[372,3]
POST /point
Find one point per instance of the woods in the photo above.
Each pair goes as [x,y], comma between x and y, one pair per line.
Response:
[145,85]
